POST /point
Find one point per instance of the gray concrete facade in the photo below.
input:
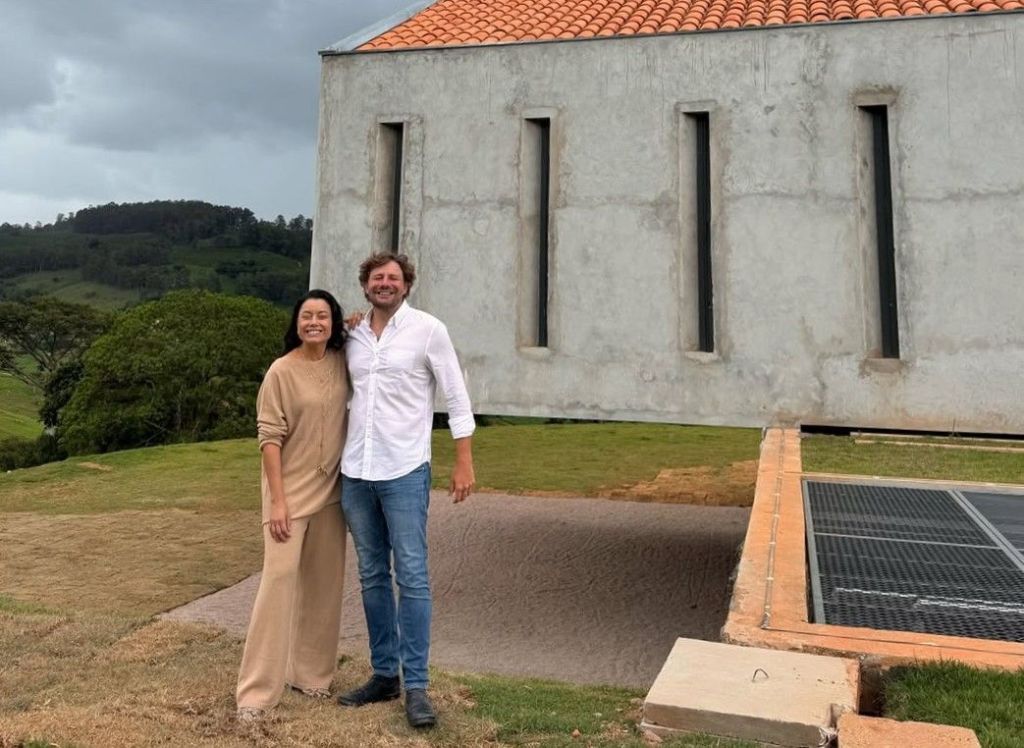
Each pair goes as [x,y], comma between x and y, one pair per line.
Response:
[796,308]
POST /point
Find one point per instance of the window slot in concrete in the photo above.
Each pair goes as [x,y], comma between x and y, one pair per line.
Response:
[881,183]
[699,125]
[389,186]
[536,184]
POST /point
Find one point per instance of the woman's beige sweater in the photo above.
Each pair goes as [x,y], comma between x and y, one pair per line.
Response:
[301,407]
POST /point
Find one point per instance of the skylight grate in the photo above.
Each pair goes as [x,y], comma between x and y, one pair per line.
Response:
[922,559]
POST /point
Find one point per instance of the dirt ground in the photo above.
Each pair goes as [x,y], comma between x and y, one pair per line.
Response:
[581,590]
[700,486]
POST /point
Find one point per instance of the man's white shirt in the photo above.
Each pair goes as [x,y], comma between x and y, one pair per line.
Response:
[393,384]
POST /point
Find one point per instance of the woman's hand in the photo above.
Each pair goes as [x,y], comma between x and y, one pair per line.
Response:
[280,522]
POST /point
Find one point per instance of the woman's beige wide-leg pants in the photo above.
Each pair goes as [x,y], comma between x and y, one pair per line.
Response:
[293,632]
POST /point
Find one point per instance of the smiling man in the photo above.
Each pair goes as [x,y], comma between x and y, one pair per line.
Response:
[397,357]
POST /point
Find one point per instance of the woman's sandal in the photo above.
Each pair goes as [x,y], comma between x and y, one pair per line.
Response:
[250,715]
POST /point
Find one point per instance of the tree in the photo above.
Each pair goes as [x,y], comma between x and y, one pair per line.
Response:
[59,387]
[183,368]
[47,332]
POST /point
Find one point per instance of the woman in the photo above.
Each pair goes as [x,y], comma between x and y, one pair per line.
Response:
[293,632]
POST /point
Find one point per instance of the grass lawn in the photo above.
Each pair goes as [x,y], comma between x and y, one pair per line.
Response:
[930,458]
[987,701]
[19,409]
[621,460]
[94,547]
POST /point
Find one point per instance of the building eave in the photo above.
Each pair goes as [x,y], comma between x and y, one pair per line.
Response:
[353,41]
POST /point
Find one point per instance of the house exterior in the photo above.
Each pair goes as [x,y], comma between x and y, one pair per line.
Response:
[741,212]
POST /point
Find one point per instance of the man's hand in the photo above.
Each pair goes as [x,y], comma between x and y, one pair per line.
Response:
[463,477]
[352,321]
[463,482]
[280,523]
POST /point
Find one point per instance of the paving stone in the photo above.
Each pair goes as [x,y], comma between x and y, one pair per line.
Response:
[784,698]
[856,731]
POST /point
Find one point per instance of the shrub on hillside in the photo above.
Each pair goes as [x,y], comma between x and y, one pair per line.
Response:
[22,453]
[183,368]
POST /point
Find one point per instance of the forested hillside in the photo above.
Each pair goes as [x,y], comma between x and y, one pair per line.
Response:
[112,256]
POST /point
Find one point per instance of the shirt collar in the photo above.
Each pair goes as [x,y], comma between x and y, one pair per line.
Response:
[396,318]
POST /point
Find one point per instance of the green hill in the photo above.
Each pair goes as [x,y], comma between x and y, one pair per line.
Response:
[19,409]
[113,256]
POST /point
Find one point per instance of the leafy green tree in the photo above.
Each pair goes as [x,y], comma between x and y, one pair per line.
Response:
[60,385]
[183,368]
[38,335]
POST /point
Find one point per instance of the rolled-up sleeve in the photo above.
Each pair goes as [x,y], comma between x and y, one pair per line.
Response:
[448,374]
[271,421]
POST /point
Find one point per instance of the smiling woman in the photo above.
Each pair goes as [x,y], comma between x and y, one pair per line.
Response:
[301,423]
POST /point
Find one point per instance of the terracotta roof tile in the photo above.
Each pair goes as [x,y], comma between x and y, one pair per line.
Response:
[452,22]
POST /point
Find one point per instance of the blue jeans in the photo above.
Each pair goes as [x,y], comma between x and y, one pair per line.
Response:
[385,517]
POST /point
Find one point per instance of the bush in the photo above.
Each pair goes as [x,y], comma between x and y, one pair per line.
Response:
[23,453]
[183,368]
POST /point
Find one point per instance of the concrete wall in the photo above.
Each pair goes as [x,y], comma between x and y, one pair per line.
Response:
[796,309]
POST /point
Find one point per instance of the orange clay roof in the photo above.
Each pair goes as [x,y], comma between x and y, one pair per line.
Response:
[453,22]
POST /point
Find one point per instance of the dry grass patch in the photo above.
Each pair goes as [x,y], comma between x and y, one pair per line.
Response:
[129,563]
[731,486]
[97,681]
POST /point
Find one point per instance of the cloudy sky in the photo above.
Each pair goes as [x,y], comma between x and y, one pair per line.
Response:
[131,100]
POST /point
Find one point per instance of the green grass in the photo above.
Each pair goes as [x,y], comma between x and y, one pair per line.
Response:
[987,701]
[222,476]
[549,713]
[581,458]
[210,257]
[68,285]
[19,409]
[840,454]
[9,604]
[208,477]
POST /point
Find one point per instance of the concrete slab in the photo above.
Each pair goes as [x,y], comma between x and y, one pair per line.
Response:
[772,696]
[856,731]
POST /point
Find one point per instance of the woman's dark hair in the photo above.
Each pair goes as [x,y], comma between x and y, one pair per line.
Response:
[338,331]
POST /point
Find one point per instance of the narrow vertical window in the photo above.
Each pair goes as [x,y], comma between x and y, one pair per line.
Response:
[389,189]
[537,174]
[882,183]
[700,123]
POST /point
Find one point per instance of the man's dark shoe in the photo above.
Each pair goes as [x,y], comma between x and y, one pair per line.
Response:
[378,688]
[418,709]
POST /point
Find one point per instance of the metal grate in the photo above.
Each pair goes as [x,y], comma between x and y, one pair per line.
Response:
[889,512]
[915,559]
[1005,511]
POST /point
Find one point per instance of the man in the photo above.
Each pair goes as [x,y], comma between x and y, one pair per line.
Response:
[397,356]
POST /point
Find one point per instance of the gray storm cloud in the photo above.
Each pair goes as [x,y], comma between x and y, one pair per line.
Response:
[106,100]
